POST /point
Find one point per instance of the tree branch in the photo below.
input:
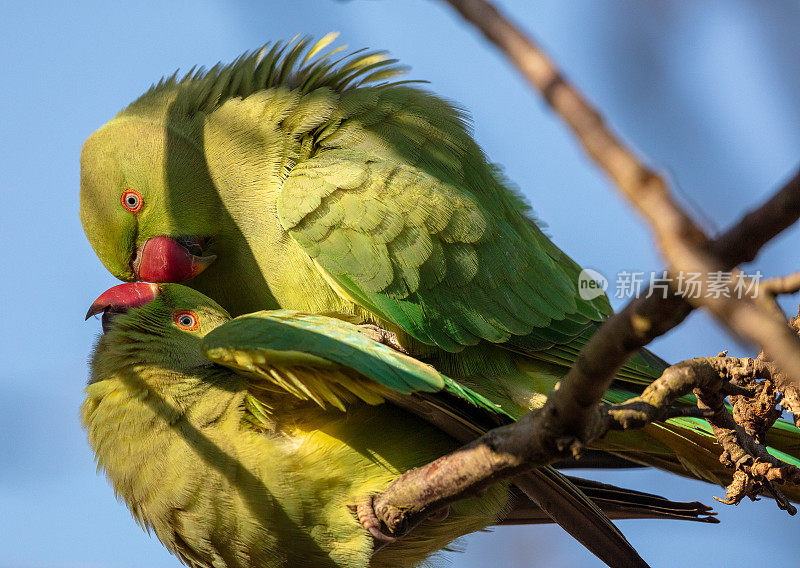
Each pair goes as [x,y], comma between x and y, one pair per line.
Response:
[682,242]
[571,417]
[537,439]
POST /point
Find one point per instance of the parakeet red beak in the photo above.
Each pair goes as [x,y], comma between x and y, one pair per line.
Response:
[122,298]
[164,259]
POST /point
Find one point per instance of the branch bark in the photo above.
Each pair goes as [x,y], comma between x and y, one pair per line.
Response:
[682,242]
[571,417]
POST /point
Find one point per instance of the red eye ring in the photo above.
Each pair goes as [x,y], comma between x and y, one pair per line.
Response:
[132,200]
[186,320]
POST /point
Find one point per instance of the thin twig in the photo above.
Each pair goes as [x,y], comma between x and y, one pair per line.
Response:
[769,290]
[571,417]
[779,285]
[507,451]
[682,242]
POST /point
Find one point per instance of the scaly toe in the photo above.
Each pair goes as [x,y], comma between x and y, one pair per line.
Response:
[366,516]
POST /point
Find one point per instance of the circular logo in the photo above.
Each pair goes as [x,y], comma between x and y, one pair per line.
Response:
[591,284]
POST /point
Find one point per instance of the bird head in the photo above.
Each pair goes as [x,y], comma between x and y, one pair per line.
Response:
[147,201]
[171,316]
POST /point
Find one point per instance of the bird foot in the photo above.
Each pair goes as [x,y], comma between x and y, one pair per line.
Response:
[365,512]
[369,520]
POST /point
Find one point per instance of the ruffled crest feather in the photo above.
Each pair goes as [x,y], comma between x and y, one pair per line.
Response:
[295,64]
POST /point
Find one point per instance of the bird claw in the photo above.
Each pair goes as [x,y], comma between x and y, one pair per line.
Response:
[369,520]
[365,512]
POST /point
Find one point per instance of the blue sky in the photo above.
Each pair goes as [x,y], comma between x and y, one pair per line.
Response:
[707,91]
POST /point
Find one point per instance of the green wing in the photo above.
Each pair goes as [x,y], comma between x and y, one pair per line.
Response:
[329,361]
[402,213]
[324,359]
[407,217]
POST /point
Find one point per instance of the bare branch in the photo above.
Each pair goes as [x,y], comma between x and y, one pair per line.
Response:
[571,417]
[743,240]
[499,454]
[769,290]
[682,242]
[788,284]
[537,439]
[750,382]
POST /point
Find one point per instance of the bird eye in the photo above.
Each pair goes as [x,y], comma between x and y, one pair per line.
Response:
[132,200]
[186,319]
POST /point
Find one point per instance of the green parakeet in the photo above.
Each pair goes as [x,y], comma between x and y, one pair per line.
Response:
[243,443]
[298,180]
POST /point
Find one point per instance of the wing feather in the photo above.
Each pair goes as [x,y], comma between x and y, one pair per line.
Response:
[428,255]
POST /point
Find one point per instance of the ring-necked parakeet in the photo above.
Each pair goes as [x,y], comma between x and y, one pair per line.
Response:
[294,180]
[243,443]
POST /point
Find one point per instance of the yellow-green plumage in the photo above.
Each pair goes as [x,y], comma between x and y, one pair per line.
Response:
[326,197]
[322,191]
[244,443]
[227,473]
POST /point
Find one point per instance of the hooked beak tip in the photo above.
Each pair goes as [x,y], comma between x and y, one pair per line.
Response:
[93,311]
[203,262]
[123,297]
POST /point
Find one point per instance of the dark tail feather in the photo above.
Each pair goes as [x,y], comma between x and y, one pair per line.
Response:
[562,501]
[597,459]
[617,503]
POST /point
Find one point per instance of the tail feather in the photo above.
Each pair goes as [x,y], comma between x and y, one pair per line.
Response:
[685,446]
[617,503]
[563,502]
